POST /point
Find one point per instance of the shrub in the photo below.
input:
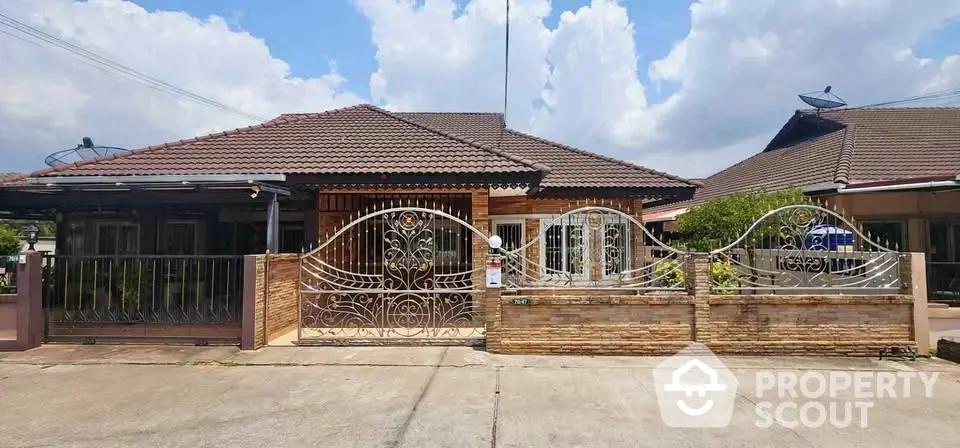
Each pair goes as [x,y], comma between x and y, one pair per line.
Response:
[724,276]
[669,274]
[9,241]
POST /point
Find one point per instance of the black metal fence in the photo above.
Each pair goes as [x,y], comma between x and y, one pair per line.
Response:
[161,289]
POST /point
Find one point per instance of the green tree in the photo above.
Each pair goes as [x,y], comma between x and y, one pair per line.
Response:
[719,222]
[9,240]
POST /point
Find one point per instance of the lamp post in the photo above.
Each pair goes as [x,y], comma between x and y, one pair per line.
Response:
[31,233]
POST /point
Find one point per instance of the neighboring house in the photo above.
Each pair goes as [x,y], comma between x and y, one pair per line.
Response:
[895,171]
[286,184]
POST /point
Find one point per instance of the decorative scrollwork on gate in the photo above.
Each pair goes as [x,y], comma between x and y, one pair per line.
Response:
[802,247]
[401,272]
[596,247]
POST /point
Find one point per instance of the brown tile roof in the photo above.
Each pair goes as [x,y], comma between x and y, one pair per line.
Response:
[851,146]
[365,139]
[360,139]
[569,167]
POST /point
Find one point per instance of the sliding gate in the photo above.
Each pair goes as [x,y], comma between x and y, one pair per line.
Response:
[401,275]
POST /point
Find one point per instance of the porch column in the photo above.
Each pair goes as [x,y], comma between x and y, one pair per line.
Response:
[273,225]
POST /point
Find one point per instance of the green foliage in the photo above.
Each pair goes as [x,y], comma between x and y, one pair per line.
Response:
[724,276]
[9,240]
[44,228]
[719,222]
[669,274]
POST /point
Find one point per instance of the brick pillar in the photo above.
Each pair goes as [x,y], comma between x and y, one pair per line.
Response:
[492,317]
[699,285]
[252,331]
[29,304]
[913,275]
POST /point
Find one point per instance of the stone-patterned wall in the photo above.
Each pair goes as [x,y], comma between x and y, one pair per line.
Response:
[595,324]
[270,298]
[283,295]
[805,319]
[663,324]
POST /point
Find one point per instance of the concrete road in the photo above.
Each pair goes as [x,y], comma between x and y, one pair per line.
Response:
[100,396]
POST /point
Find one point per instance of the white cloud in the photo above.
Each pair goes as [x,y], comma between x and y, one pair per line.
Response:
[735,74]
[49,99]
[737,71]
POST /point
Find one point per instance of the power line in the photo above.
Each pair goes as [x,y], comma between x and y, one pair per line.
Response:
[938,95]
[114,67]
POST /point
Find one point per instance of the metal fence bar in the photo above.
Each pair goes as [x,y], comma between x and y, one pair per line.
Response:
[154,289]
[595,247]
[805,248]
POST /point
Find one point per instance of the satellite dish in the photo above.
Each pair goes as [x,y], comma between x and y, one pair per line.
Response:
[86,150]
[822,100]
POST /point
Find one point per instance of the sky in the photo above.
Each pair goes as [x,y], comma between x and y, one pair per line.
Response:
[683,87]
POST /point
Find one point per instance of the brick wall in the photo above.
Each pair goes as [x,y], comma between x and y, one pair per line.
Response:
[595,324]
[282,296]
[662,324]
[603,322]
[271,285]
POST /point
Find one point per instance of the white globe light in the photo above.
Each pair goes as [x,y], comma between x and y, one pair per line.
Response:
[495,242]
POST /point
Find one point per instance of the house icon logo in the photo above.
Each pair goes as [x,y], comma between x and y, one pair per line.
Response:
[695,389]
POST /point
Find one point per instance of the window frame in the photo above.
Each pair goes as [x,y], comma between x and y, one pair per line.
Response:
[118,223]
[522,222]
[564,253]
[904,229]
[162,235]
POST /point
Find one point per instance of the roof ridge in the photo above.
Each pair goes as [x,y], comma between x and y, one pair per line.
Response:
[471,142]
[452,113]
[603,157]
[240,130]
[845,160]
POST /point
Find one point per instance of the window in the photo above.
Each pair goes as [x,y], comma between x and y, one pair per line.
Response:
[291,239]
[616,254]
[886,233]
[179,238]
[564,248]
[115,238]
[511,233]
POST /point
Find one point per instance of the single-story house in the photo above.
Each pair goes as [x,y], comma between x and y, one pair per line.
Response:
[156,234]
[895,171]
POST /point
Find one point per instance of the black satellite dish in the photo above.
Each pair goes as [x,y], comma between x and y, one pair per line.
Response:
[86,150]
[822,100]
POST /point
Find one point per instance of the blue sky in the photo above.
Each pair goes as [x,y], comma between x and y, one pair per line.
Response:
[308,35]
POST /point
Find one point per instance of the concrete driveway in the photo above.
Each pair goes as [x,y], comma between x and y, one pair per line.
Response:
[97,396]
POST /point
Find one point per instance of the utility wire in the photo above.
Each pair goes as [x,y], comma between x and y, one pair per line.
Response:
[107,64]
[938,95]
[506,76]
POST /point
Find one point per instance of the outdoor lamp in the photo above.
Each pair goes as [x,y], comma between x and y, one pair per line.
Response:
[31,232]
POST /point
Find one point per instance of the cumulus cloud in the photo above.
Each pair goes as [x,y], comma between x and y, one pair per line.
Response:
[733,77]
[49,99]
[736,72]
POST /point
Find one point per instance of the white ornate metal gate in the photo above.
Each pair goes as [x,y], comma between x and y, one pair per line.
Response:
[399,275]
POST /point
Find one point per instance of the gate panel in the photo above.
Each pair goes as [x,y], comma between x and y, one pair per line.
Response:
[399,275]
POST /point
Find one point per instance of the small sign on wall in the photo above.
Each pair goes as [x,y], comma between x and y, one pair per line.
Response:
[494,277]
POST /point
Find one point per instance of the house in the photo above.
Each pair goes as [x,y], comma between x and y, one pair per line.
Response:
[156,235]
[896,171]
